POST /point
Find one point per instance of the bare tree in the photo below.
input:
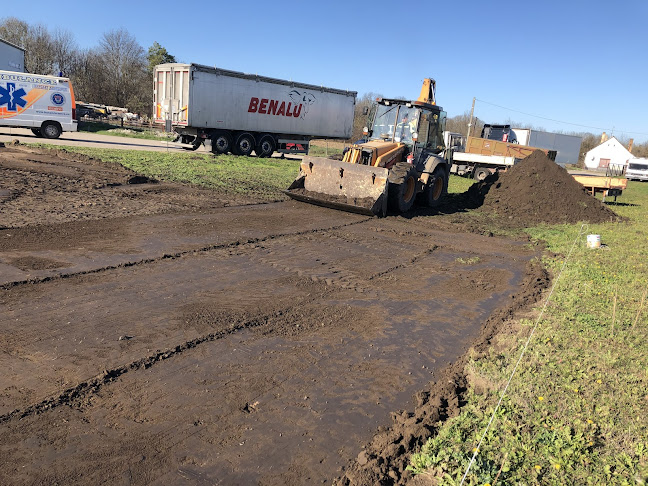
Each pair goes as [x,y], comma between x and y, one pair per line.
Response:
[126,70]
[64,52]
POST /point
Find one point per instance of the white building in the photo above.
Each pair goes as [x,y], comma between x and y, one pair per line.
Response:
[12,57]
[610,153]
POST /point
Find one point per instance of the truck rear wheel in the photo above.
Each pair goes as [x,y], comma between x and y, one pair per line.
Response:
[265,147]
[436,188]
[221,143]
[481,173]
[402,187]
[37,132]
[244,145]
[50,130]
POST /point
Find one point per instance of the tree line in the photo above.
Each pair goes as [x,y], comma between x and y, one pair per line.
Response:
[117,72]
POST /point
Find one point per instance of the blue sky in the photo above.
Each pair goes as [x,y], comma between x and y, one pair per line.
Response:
[542,63]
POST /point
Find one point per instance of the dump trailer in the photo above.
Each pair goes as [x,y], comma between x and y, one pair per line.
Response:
[397,163]
[244,113]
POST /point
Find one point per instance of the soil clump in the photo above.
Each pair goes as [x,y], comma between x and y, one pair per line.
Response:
[537,190]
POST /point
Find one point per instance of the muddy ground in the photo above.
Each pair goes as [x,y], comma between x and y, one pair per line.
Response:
[154,333]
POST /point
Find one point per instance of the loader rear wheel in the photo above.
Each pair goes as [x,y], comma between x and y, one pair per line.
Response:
[265,147]
[402,187]
[221,143]
[436,188]
[244,145]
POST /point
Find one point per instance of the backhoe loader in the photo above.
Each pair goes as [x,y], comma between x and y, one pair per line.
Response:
[397,163]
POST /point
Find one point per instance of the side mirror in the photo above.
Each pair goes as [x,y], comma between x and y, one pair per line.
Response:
[365,110]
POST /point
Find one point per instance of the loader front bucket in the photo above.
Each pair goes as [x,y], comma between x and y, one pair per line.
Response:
[341,185]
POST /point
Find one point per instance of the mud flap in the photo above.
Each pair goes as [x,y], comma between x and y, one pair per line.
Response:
[341,185]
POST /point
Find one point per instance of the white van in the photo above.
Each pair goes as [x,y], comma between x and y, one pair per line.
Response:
[43,103]
[637,169]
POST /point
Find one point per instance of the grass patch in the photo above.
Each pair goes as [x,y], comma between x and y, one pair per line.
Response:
[105,128]
[230,175]
[575,412]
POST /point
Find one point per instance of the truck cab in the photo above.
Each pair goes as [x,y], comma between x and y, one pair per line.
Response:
[502,133]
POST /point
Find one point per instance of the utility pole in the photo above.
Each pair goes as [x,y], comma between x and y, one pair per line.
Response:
[472,110]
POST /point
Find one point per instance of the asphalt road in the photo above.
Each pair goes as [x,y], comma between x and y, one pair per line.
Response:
[86,139]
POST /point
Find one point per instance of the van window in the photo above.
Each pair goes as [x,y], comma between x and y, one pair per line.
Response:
[635,166]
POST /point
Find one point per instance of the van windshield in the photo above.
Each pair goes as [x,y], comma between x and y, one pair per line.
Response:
[635,166]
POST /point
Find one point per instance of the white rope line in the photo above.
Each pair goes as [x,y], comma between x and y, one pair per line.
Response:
[583,228]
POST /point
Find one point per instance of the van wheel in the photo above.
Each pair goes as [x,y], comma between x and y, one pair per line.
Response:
[50,130]
[37,132]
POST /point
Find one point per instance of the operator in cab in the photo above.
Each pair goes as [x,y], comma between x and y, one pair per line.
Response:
[405,128]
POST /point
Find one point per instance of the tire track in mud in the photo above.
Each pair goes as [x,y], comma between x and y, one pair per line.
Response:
[175,255]
[78,393]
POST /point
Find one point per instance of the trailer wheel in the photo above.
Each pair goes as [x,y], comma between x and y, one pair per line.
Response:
[265,147]
[244,144]
[481,173]
[50,130]
[402,187]
[37,132]
[436,188]
[221,143]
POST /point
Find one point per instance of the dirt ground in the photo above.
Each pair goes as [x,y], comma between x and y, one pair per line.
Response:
[154,333]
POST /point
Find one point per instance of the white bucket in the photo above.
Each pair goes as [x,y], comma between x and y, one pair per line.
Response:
[593,241]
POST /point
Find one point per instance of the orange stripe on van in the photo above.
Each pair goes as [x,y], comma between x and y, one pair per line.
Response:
[31,97]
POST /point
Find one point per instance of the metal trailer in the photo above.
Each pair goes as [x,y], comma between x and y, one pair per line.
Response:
[480,166]
[241,113]
[608,186]
[567,147]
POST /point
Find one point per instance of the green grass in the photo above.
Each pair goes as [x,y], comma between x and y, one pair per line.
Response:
[576,411]
[458,184]
[104,128]
[250,177]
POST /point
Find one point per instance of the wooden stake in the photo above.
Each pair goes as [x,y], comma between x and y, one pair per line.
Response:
[643,299]
[614,310]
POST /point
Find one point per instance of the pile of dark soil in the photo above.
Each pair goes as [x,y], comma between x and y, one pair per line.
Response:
[537,190]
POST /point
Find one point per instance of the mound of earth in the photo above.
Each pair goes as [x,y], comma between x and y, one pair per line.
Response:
[537,190]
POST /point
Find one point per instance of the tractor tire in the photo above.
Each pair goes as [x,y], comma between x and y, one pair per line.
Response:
[403,178]
[436,188]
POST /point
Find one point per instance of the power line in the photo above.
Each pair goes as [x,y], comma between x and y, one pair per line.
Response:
[560,121]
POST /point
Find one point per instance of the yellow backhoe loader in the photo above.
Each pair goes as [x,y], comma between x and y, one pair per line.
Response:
[396,164]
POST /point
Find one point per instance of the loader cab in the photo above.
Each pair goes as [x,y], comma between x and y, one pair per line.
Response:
[415,124]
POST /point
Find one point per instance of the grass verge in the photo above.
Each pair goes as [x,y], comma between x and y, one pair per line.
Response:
[103,128]
[230,175]
[575,411]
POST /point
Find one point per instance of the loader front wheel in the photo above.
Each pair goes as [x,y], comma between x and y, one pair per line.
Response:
[244,145]
[436,188]
[402,187]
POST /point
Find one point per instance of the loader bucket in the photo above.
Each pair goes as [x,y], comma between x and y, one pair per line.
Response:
[341,185]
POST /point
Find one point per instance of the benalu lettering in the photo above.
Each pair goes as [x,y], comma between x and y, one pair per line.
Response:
[297,108]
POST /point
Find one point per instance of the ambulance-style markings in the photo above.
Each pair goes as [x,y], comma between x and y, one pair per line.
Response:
[11,97]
